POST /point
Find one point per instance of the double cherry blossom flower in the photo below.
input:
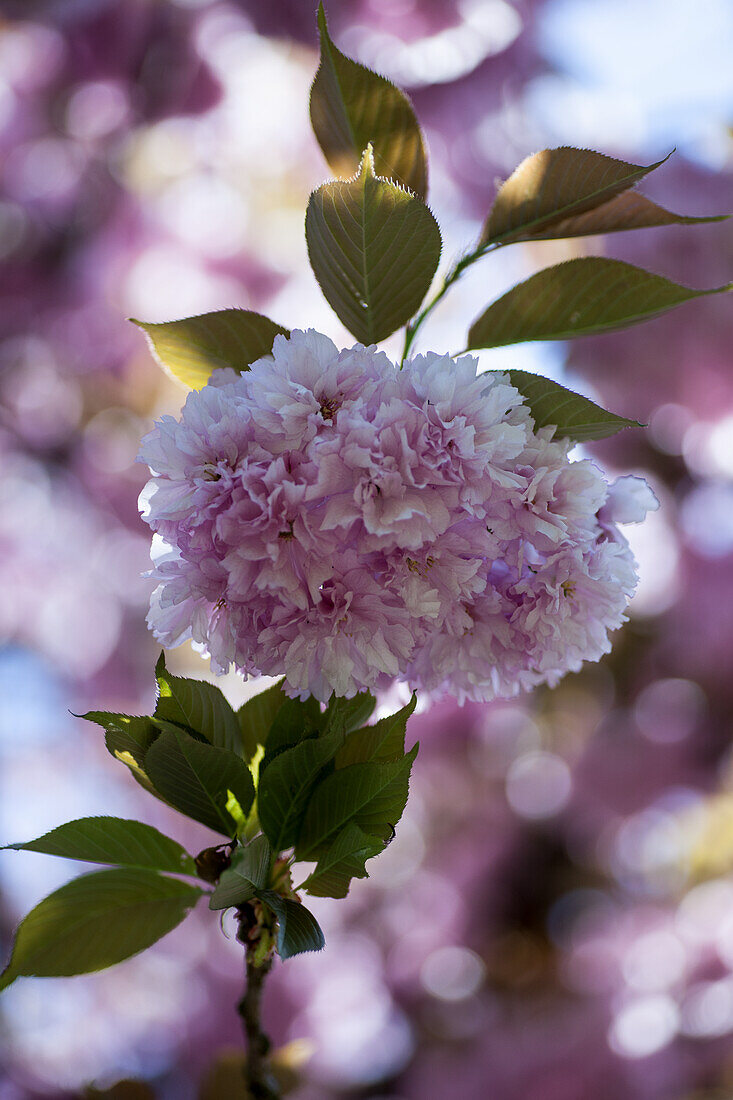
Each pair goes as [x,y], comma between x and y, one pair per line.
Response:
[331,518]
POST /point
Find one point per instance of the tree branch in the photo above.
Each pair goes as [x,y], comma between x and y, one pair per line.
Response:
[260,1081]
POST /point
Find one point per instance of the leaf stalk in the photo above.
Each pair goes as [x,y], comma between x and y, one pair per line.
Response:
[462,263]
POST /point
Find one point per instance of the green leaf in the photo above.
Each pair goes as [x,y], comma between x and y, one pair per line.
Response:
[629,210]
[113,840]
[128,738]
[384,741]
[288,783]
[199,779]
[554,185]
[256,716]
[372,796]
[97,920]
[296,720]
[574,416]
[248,873]
[199,706]
[232,890]
[351,106]
[343,860]
[297,928]
[254,861]
[348,714]
[579,298]
[374,249]
[190,349]
[134,734]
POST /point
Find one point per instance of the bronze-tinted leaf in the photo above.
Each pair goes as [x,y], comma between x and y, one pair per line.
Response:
[352,106]
[629,210]
[374,249]
[190,349]
[553,185]
[578,298]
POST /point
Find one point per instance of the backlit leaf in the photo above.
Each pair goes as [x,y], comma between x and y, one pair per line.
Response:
[351,106]
[113,840]
[190,349]
[578,298]
[374,249]
[199,779]
[553,185]
[629,210]
[97,920]
[128,738]
[297,928]
[343,860]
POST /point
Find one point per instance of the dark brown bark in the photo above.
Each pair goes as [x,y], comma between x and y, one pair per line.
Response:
[258,1075]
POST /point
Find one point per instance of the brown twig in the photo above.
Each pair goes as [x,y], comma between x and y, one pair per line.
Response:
[260,1081]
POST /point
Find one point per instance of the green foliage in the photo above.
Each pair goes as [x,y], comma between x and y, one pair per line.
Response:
[113,840]
[248,873]
[199,779]
[128,738]
[371,795]
[197,706]
[578,298]
[295,721]
[351,106]
[97,920]
[343,860]
[374,249]
[574,416]
[246,880]
[348,714]
[190,349]
[297,929]
[384,741]
[255,717]
[287,784]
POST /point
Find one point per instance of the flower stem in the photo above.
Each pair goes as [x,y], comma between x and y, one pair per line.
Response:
[450,278]
[260,1082]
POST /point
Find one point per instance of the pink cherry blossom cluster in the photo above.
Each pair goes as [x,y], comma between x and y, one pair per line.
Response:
[328,517]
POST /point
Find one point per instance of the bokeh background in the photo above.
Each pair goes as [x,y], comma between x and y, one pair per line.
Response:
[555,918]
